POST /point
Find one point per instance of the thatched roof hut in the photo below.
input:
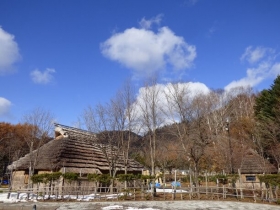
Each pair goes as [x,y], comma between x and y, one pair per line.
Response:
[74,150]
[253,163]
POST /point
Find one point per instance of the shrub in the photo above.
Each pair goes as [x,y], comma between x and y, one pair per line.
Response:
[104,178]
[37,178]
[45,177]
[125,177]
[93,177]
[69,176]
[270,179]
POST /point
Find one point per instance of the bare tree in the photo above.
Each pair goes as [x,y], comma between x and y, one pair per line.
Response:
[150,116]
[125,115]
[101,120]
[39,131]
[178,110]
[188,113]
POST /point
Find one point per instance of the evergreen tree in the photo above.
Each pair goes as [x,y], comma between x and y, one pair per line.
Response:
[267,112]
[268,102]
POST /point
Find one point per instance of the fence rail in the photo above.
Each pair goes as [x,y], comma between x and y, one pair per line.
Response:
[145,193]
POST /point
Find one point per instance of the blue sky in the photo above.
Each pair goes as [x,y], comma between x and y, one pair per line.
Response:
[66,55]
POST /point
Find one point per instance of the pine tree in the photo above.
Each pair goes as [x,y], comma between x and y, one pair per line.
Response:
[267,112]
[268,102]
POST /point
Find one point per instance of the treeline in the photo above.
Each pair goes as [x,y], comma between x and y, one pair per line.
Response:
[17,140]
[198,131]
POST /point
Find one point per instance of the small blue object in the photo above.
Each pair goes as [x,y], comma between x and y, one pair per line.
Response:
[5,182]
[157,185]
[176,184]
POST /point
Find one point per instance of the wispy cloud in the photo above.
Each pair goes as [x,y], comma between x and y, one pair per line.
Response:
[5,106]
[42,77]
[263,65]
[191,2]
[213,29]
[146,52]
[253,55]
[147,24]
[9,52]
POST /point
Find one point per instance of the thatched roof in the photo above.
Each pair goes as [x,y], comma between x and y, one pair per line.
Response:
[74,151]
[253,163]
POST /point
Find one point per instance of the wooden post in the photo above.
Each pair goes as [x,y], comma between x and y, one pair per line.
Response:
[175,186]
[236,191]
[190,193]
[164,191]
[62,192]
[223,191]
[142,190]
[206,184]
[218,193]
[266,196]
[270,193]
[190,172]
[261,185]
[240,184]
[276,192]
[57,193]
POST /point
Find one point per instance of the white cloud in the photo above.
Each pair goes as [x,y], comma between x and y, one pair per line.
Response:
[254,76]
[263,66]
[5,106]
[275,69]
[9,52]
[42,77]
[146,52]
[254,55]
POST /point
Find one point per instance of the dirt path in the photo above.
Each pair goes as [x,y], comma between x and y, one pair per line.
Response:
[148,205]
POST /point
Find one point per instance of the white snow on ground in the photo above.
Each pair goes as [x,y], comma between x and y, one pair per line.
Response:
[113,207]
[32,197]
[127,205]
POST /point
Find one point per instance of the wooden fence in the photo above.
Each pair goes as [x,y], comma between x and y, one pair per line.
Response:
[144,193]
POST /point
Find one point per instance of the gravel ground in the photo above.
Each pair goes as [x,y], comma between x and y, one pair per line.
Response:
[146,205]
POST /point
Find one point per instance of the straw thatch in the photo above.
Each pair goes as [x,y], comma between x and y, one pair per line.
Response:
[74,150]
[253,163]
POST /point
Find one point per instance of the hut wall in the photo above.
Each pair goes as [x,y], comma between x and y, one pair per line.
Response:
[249,181]
[20,180]
[82,185]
